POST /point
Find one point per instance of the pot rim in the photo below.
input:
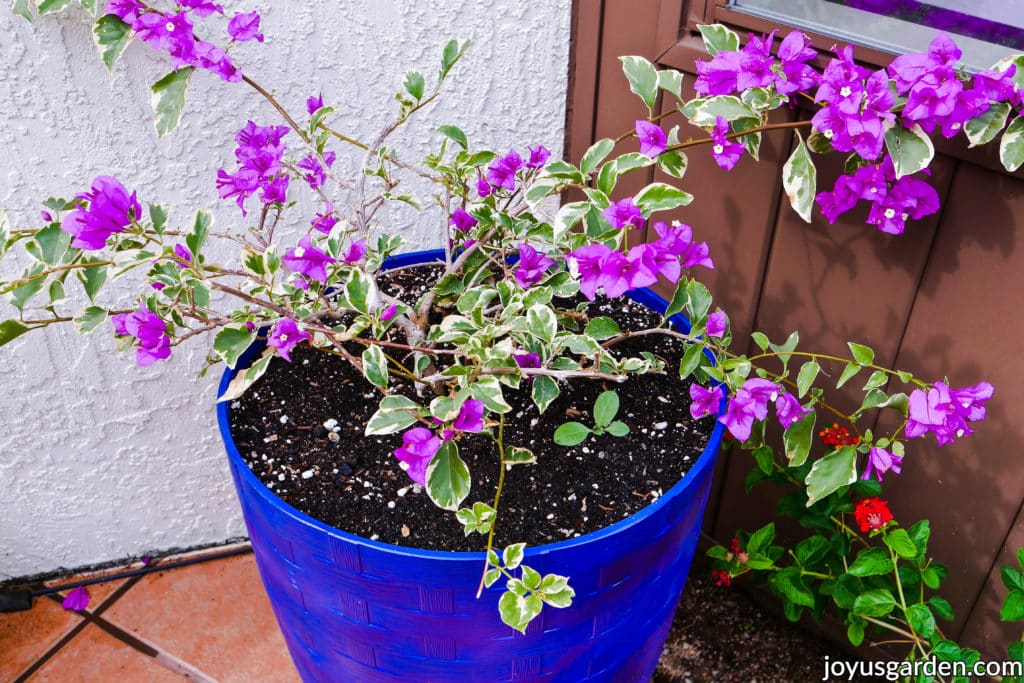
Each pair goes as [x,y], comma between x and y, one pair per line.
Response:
[642,296]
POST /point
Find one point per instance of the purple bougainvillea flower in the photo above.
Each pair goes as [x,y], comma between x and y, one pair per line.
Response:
[325,221]
[599,266]
[739,416]
[245,26]
[317,176]
[214,58]
[110,209]
[502,171]
[677,240]
[471,416]
[76,600]
[419,445]
[276,191]
[539,156]
[643,266]
[241,185]
[726,152]
[652,138]
[355,253]
[624,212]
[307,260]
[284,336]
[947,412]
[182,252]
[483,188]
[788,410]
[532,266]
[756,63]
[881,461]
[170,33]
[462,220]
[201,8]
[527,360]
[389,313]
[794,51]
[748,404]
[150,331]
[717,324]
[158,286]
[314,104]
[704,402]
[718,76]
[125,10]
[46,216]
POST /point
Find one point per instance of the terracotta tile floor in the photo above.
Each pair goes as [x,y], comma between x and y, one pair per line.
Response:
[209,621]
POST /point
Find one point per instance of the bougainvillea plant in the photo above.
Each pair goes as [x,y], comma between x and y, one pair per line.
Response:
[512,273]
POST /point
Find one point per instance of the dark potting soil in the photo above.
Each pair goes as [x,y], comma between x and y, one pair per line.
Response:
[300,429]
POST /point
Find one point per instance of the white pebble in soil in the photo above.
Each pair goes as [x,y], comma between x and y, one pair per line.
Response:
[308,474]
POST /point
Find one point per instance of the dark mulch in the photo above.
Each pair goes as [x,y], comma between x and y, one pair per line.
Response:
[721,635]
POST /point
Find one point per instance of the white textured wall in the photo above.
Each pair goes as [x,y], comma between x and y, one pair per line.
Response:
[100,459]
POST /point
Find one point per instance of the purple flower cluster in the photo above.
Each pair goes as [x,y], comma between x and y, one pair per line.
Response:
[259,153]
[725,152]
[624,212]
[731,71]
[284,336]
[652,138]
[856,107]
[316,175]
[532,266]
[109,209]
[307,260]
[502,171]
[174,33]
[945,412]
[893,201]
[420,445]
[751,403]
[462,221]
[881,461]
[936,96]
[325,220]
[149,330]
[600,266]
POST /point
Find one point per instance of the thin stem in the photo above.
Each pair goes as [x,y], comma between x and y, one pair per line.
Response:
[344,138]
[497,499]
[738,134]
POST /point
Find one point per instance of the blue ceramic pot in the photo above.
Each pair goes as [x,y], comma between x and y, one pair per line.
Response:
[355,610]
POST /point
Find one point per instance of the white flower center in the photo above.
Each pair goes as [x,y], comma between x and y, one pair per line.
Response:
[718,149]
[904,215]
[845,91]
[955,126]
[775,395]
[966,404]
[889,213]
[404,465]
[299,252]
[873,190]
[959,432]
[169,26]
[284,337]
[828,134]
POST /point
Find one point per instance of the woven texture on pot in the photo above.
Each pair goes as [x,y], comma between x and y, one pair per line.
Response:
[358,610]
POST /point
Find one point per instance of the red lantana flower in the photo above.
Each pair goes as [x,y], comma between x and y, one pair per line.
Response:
[837,437]
[871,514]
[721,577]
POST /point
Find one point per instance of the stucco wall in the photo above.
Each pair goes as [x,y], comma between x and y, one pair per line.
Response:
[100,459]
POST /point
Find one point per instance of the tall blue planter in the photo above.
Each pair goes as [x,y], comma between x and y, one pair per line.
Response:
[355,610]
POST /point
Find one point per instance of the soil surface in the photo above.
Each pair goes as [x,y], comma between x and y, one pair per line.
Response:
[720,635]
[300,429]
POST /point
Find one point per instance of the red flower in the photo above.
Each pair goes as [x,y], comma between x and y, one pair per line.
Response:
[721,577]
[837,437]
[872,513]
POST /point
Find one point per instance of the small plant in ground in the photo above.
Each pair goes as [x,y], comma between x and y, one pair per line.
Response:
[506,309]
[606,407]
